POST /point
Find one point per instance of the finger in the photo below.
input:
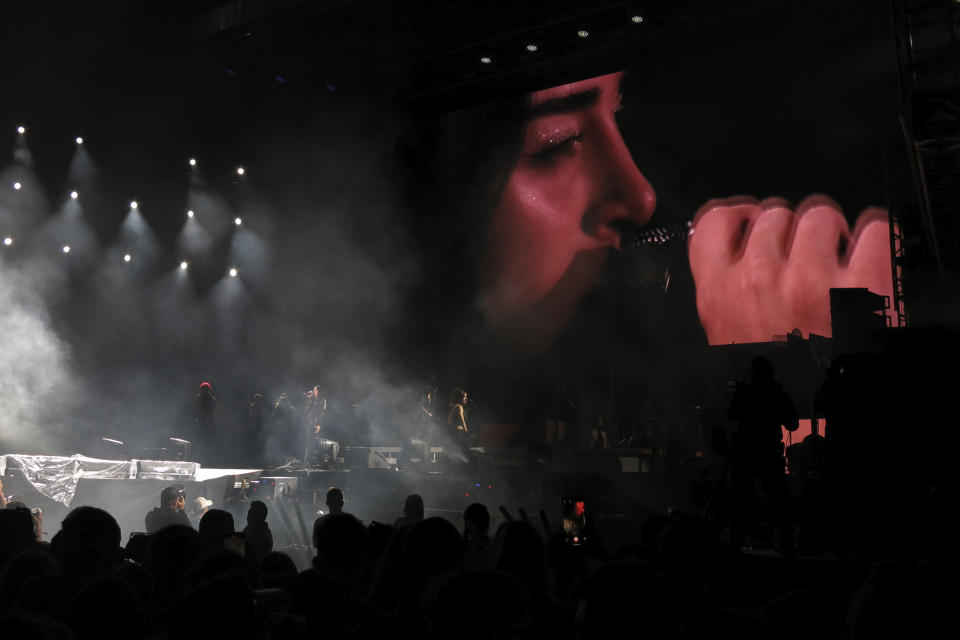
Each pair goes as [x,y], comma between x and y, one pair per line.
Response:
[769,235]
[817,200]
[720,203]
[718,233]
[869,261]
[818,247]
[821,236]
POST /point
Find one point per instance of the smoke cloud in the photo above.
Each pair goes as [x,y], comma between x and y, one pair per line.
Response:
[34,367]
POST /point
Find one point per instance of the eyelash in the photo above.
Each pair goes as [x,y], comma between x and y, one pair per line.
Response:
[557,150]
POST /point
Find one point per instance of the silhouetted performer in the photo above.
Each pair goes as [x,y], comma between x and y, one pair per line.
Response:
[205,415]
[320,449]
[208,409]
[760,406]
[314,409]
[457,422]
[172,502]
[428,406]
[427,410]
[258,410]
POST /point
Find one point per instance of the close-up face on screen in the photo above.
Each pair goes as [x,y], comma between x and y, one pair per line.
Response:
[699,196]
[573,192]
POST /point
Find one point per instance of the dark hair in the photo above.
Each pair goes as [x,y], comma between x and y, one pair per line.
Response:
[340,540]
[413,506]
[214,525]
[171,493]
[88,541]
[457,166]
[478,514]
[334,495]
[257,511]
[762,368]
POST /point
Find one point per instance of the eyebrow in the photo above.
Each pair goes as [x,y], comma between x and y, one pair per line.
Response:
[565,104]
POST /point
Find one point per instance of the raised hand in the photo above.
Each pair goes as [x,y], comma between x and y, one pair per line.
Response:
[762,268]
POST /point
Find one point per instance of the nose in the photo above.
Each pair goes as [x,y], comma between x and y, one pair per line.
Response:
[621,197]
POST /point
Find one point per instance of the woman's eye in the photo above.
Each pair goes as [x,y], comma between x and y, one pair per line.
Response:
[553,151]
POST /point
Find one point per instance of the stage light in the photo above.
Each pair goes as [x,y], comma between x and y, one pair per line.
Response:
[637,19]
[127,257]
[74,195]
[532,47]
[17,186]
[66,248]
[583,33]
[192,162]
[485,60]
[21,129]
[190,213]
[133,204]
[7,241]
[233,272]
[79,140]
[240,171]
[184,265]
[237,221]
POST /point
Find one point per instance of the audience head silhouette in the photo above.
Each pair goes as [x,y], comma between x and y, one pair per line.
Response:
[334,500]
[413,507]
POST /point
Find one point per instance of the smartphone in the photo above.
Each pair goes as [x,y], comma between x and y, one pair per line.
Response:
[235,542]
[574,513]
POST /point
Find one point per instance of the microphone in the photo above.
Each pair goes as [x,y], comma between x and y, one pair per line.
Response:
[661,236]
[649,254]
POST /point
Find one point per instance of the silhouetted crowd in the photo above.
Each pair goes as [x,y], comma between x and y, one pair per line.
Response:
[422,577]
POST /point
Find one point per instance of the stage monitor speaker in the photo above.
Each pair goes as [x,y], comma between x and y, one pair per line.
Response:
[270,487]
[379,459]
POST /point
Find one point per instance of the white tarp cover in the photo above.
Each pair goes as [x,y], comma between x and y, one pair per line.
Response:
[56,477]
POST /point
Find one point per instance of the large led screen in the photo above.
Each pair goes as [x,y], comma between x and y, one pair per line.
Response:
[711,191]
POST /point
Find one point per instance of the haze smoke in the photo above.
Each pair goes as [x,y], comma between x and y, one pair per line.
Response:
[34,366]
